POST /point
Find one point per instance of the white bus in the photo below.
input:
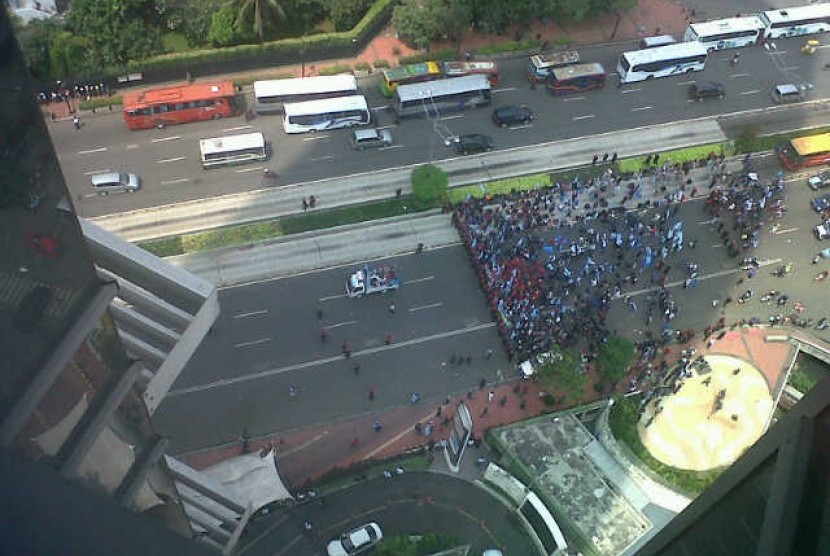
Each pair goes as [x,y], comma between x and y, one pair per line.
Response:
[271,95]
[791,22]
[233,149]
[325,114]
[733,32]
[662,61]
[433,97]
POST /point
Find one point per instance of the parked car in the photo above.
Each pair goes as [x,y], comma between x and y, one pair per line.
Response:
[820,204]
[506,116]
[822,231]
[370,138]
[819,181]
[115,182]
[473,143]
[707,89]
[356,541]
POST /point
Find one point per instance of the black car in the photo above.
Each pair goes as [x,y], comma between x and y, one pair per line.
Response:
[506,116]
[707,89]
[473,143]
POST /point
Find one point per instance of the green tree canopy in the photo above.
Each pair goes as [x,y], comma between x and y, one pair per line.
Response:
[36,39]
[614,358]
[422,21]
[429,186]
[117,31]
[257,14]
[192,18]
[561,371]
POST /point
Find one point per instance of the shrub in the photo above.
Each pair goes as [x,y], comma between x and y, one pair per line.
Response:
[380,64]
[100,102]
[508,47]
[614,357]
[429,56]
[335,69]
[429,186]
[363,66]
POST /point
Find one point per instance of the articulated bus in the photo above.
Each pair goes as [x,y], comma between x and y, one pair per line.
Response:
[792,22]
[178,105]
[801,152]
[404,75]
[733,32]
[460,69]
[663,61]
[232,149]
[430,99]
[271,95]
[325,114]
[576,79]
[540,65]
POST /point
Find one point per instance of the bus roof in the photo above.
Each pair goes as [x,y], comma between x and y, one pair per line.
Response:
[796,14]
[231,143]
[453,69]
[551,59]
[354,102]
[438,87]
[178,93]
[578,70]
[691,48]
[305,85]
[402,72]
[717,26]
[812,144]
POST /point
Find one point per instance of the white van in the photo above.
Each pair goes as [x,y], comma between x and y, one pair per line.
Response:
[659,40]
[115,182]
[783,94]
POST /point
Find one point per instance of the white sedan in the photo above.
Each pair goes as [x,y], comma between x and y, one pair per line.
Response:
[356,540]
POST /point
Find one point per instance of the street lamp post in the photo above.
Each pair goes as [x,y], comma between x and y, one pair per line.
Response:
[302,56]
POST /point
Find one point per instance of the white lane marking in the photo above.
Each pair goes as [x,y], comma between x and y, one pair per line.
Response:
[250,314]
[428,306]
[330,297]
[739,75]
[523,126]
[715,246]
[390,147]
[787,231]
[252,343]
[246,170]
[163,139]
[586,117]
[132,146]
[97,172]
[327,157]
[626,91]
[166,160]
[791,68]
[93,151]
[310,364]
[238,128]
[339,324]
[419,280]
[316,137]
[453,117]
[570,99]
[171,182]
[504,90]
[752,92]
[641,108]
[689,82]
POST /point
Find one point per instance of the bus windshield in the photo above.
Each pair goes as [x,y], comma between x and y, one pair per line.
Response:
[271,95]
[232,149]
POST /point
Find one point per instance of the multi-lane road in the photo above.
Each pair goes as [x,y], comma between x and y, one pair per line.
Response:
[168,161]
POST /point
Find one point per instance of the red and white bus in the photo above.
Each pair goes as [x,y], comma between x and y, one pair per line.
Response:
[179,104]
[460,69]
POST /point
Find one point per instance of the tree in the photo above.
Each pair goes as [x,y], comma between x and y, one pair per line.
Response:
[68,56]
[192,18]
[422,21]
[224,31]
[36,39]
[614,358]
[429,186]
[255,13]
[117,31]
[346,13]
[561,371]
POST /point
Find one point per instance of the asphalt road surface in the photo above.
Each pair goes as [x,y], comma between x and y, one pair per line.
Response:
[408,504]
[168,160]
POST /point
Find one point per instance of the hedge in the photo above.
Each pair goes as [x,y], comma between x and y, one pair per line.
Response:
[508,47]
[193,58]
[439,56]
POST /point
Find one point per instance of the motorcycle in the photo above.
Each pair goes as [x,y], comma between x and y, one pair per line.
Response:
[769,296]
[822,324]
[783,300]
[746,296]
[783,270]
[821,276]
[750,262]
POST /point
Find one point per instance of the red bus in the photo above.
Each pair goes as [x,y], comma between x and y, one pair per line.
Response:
[801,152]
[458,69]
[178,105]
[576,79]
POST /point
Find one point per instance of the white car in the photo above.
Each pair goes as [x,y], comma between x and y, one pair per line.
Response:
[817,182]
[822,231]
[356,540]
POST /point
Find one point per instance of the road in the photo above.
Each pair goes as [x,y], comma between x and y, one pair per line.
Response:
[167,160]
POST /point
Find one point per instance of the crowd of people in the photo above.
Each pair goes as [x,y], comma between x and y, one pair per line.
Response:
[551,261]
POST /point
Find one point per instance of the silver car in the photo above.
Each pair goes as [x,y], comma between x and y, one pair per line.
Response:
[115,182]
[370,138]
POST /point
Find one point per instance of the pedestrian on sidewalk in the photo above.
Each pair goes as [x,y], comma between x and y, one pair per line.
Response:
[605,158]
[490,396]
[347,351]
[323,336]
[377,425]
[595,159]
[388,338]
[614,158]
[312,201]
[305,204]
